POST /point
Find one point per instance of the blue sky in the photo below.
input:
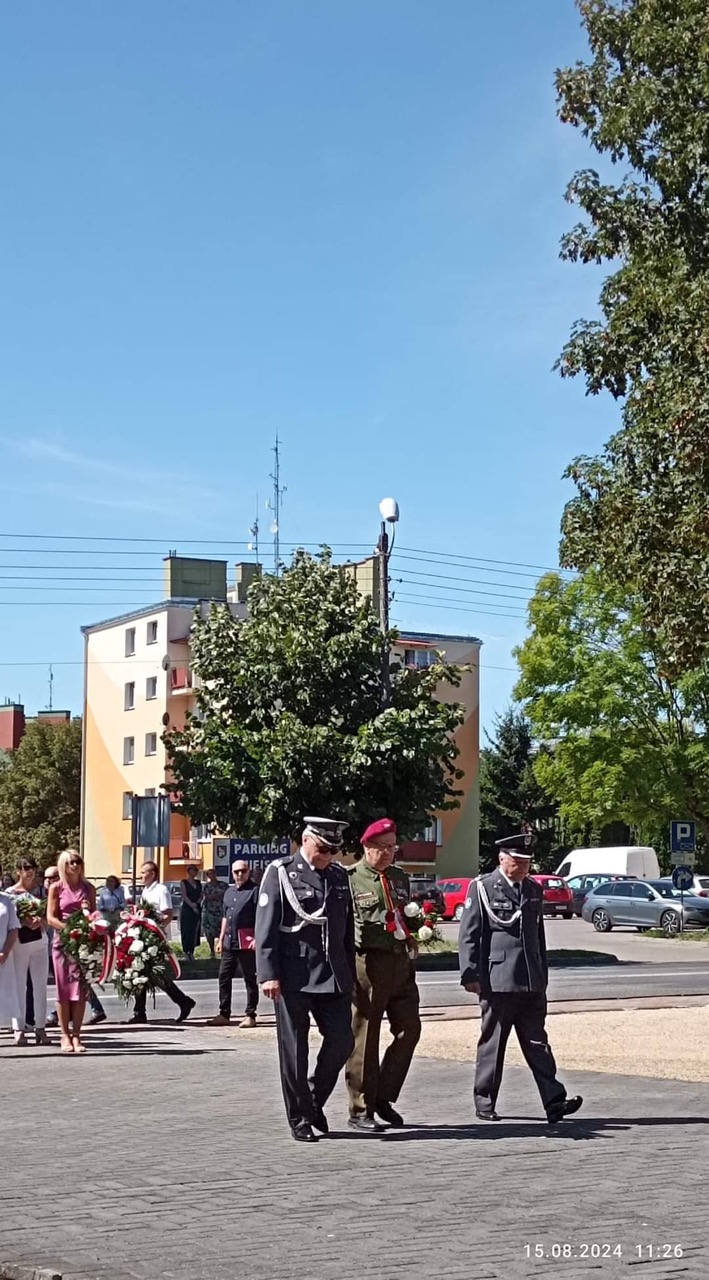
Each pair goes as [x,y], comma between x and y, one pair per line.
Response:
[336,219]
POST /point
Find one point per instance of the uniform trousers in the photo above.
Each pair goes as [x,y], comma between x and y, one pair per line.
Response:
[332,1015]
[526,1012]
[231,963]
[386,984]
[32,965]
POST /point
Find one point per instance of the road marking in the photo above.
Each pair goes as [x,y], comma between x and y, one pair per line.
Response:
[576,972]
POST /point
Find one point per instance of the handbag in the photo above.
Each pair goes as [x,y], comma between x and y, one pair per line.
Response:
[246,939]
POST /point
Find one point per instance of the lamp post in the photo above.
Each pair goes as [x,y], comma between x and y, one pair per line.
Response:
[389,511]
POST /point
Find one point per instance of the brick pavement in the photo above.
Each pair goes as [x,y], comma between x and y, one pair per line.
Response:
[164,1152]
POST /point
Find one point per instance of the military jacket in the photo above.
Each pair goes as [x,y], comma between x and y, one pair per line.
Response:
[306,957]
[370,905]
[509,956]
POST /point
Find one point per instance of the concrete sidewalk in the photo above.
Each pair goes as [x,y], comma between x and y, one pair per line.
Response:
[164,1152]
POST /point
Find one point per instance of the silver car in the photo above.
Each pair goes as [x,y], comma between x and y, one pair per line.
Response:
[644,904]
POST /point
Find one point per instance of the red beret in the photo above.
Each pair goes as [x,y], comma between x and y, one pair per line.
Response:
[381,827]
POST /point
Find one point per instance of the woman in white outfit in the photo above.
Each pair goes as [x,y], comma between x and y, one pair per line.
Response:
[9,926]
[31,956]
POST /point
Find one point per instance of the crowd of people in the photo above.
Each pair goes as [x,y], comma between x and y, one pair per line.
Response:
[324,942]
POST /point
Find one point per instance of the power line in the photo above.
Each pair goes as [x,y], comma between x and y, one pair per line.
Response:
[185,542]
[429,604]
[453,555]
[475,591]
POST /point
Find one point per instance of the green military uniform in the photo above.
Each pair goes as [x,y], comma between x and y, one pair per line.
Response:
[386,984]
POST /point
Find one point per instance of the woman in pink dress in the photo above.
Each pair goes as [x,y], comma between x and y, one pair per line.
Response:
[71,893]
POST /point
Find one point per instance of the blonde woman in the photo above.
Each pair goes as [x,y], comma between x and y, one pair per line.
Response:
[71,893]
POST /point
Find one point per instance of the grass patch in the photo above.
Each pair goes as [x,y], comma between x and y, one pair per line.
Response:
[688,935]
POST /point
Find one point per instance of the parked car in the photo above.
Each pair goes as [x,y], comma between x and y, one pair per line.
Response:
[700,885]
[644,904]
[558,897]
[427,891]
[454,894]
[582,885]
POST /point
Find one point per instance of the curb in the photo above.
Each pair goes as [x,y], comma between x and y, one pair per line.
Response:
[20,1271]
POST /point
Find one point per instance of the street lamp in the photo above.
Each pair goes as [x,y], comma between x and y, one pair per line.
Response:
[389,511]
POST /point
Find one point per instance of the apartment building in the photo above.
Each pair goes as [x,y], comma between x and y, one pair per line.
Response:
[138,681]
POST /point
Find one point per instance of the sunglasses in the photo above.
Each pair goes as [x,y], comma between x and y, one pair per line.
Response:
[76,862]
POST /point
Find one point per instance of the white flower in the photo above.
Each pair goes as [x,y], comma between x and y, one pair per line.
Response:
[399,933]
[138,964]
[136,947]
[84,953]
[411,910]
[425,934]
[127,980]
[152,951]
[134,932]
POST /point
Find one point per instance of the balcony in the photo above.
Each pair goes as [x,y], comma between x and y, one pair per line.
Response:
[182,682]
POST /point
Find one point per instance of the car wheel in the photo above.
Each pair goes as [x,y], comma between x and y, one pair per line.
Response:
[601,921]
[670,922]
[458,913]
[568,915]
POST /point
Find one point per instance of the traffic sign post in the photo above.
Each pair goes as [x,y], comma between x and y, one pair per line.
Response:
[683,841]
[682,879]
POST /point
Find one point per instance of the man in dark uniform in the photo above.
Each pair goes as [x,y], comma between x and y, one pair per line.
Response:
[503,960]
[305,964]
[386,981]
[236,945]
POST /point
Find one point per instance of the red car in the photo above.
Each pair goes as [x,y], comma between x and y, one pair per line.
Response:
[454,894]
[558,897]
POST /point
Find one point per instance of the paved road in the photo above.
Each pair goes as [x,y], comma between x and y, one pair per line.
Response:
[166,1154]
[621,981]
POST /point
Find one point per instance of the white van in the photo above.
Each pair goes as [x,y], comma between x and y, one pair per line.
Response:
[627,860]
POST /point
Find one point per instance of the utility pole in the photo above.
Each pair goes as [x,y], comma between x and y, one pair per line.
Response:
[389,511]
[51,688]
[275,507]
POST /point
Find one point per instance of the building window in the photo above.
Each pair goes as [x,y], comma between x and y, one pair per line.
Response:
[129,696]
[130,642]
[150,791]
[420,657]
[127,805]
[151,744]
[151,687]
[152,636]
[126,859]
[128,750]
[203,833]
[434,833]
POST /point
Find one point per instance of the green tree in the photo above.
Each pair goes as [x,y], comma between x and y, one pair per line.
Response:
[627,742]
[510,793]
[40,793]
[290,719]
[642,509]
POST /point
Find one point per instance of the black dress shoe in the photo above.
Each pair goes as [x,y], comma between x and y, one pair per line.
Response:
[320,1119]
[565,1108]
[137,1018]
[53,1019]
[302,1132]
[365,1124]
[98,1016]
[185,1010]
[486,1115]
[387,1113]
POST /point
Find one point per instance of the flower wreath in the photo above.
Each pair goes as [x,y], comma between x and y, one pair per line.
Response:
[144,958]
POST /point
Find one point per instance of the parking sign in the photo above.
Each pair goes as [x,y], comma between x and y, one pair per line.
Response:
[683,836]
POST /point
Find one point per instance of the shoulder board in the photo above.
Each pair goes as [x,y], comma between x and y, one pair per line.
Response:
[281,862]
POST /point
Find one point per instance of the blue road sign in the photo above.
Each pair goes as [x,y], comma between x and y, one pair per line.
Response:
[683,837]
[683,878]
[258,853]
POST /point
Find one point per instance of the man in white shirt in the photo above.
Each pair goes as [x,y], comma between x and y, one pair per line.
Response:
[157,896]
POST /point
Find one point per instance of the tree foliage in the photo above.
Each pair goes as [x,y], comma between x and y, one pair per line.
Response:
[628,743]
[642,509]
[510,793]
[290,717]
[40,793]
